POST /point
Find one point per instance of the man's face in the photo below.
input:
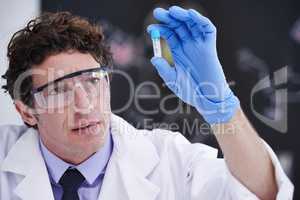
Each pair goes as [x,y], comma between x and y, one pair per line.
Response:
[79,128]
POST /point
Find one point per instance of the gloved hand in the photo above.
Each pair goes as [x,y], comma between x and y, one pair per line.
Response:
[197,77]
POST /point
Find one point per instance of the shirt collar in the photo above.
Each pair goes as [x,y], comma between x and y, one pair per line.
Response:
[90,169]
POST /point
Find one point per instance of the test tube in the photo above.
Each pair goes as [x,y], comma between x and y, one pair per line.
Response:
[155,36]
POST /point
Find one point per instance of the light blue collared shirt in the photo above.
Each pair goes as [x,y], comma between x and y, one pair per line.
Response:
[93,169]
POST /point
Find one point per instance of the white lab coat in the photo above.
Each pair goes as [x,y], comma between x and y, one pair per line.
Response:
[145,165]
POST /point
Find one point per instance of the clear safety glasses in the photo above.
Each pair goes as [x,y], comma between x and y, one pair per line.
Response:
[60,92]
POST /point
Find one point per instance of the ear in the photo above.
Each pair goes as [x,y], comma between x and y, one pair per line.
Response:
[25,112]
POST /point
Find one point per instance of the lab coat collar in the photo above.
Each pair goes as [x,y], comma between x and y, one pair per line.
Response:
[132,160]
[26,160]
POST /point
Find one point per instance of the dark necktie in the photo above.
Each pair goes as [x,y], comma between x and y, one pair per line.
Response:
[70,182]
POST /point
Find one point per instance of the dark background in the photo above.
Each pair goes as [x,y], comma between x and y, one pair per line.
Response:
[254,40]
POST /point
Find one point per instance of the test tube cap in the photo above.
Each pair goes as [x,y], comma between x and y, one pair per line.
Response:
[155,34]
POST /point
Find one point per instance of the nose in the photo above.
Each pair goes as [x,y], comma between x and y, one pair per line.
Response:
[82,101]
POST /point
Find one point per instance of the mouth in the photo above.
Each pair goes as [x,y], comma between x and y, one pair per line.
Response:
[91,128]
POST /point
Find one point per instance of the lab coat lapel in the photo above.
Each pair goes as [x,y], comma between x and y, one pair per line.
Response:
[25,159]
[132,160]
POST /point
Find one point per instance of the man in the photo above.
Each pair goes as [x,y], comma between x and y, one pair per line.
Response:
[75,148]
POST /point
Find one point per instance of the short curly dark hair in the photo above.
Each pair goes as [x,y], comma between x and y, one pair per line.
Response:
[46,35]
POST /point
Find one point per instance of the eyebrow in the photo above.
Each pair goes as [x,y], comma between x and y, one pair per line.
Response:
[103,68]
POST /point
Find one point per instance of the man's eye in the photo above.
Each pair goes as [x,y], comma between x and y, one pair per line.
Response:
[57,90]
[94,80]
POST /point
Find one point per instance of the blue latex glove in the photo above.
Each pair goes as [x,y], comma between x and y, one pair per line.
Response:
[197,77]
